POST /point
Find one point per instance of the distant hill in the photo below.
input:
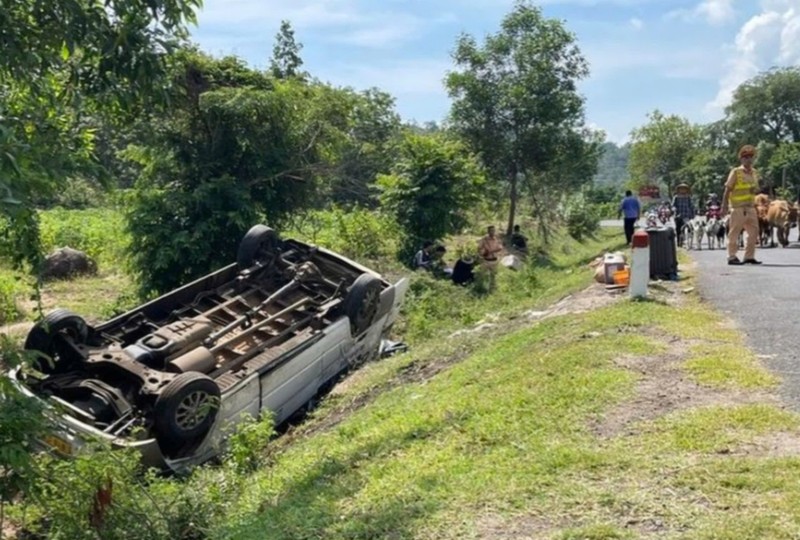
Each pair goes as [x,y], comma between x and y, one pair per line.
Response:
[612,170]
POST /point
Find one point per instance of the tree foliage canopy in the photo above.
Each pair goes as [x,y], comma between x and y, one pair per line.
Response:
[240,148]
[660,148]
[432,183]
[63,61]
[515,96]
[767,107]
[286,61]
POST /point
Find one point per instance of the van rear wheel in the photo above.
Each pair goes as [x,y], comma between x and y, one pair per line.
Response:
[362,302]
[45,335]
[260,243]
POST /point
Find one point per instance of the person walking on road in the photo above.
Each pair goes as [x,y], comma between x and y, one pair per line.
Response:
[684,209]
[631,210]
[739,199]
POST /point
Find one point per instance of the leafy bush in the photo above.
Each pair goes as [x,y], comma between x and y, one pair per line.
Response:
[21,422]
[218,166]
[139,505]
[582,218]
[433,183]
[74,193]
[606,210]
[10,288]
[358,233]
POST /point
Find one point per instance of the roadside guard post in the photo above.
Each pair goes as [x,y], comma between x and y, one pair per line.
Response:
[640,264]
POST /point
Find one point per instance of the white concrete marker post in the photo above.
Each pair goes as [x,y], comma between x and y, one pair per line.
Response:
[640,264]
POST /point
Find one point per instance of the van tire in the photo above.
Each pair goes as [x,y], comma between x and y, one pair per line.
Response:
[185,410]
[42,337]
[362,302]
[260,242]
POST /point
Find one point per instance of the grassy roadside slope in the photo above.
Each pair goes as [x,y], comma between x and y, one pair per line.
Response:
[625,421]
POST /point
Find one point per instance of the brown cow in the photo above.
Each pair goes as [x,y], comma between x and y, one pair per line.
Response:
[778,217]
[764,229]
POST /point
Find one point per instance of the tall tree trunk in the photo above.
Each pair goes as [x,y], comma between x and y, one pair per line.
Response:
[542,219]
[512,211]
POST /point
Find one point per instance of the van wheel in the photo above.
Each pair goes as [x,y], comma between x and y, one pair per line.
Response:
[260,242]
[362,302]
[185,410]
[45,335]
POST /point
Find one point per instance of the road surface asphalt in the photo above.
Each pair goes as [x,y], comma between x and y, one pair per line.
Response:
[764,301]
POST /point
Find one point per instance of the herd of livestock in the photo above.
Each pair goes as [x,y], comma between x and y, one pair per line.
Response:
[775,218]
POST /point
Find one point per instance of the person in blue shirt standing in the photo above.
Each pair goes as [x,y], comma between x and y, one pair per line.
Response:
[631,210]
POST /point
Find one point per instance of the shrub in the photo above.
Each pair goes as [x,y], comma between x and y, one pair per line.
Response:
[10,289]
[433,183]
[582,218]
[358,233]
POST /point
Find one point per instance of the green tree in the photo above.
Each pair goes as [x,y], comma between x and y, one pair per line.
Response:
[767,107]
[612,168]
[237,148]
[367,147]
[661,148]
[434,181]
[571,167]
[286,61]
[783,169]
[63,61]
[515,97]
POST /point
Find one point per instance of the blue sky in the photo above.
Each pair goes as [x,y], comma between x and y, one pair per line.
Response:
[679,56]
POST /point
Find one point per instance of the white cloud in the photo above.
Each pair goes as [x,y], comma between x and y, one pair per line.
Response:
[768,39]
[609,58]
[408,77]
[354,22]
[637,23]
[715,12]
[301,13]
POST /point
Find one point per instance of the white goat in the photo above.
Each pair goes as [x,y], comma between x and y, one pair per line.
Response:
[696,231]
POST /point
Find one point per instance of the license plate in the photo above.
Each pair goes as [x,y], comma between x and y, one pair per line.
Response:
[58,444]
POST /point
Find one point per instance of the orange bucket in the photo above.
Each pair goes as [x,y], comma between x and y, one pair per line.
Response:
[622,277]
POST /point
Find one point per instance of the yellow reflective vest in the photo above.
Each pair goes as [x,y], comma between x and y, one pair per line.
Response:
[744,189]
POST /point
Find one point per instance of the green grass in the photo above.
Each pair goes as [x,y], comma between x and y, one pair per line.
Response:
[495,434]
[728,365]
[436,307]
[502,440]
[94,298]
[99,232]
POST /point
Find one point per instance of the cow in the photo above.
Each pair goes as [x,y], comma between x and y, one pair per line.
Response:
[778,217]
[764,229]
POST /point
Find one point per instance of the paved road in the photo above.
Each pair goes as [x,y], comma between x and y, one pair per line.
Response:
[765,302]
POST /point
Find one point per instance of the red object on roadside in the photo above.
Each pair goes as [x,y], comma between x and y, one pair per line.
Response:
[640,239]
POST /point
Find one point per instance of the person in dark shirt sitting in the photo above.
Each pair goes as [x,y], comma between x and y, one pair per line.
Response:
[462,271]
[518,240]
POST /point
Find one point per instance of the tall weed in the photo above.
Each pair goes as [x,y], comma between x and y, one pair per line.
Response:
[10,289]
[359,234]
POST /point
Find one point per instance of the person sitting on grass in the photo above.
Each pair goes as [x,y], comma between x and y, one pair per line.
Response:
[518,240]
[462,271]
[422,259]
[438,267]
